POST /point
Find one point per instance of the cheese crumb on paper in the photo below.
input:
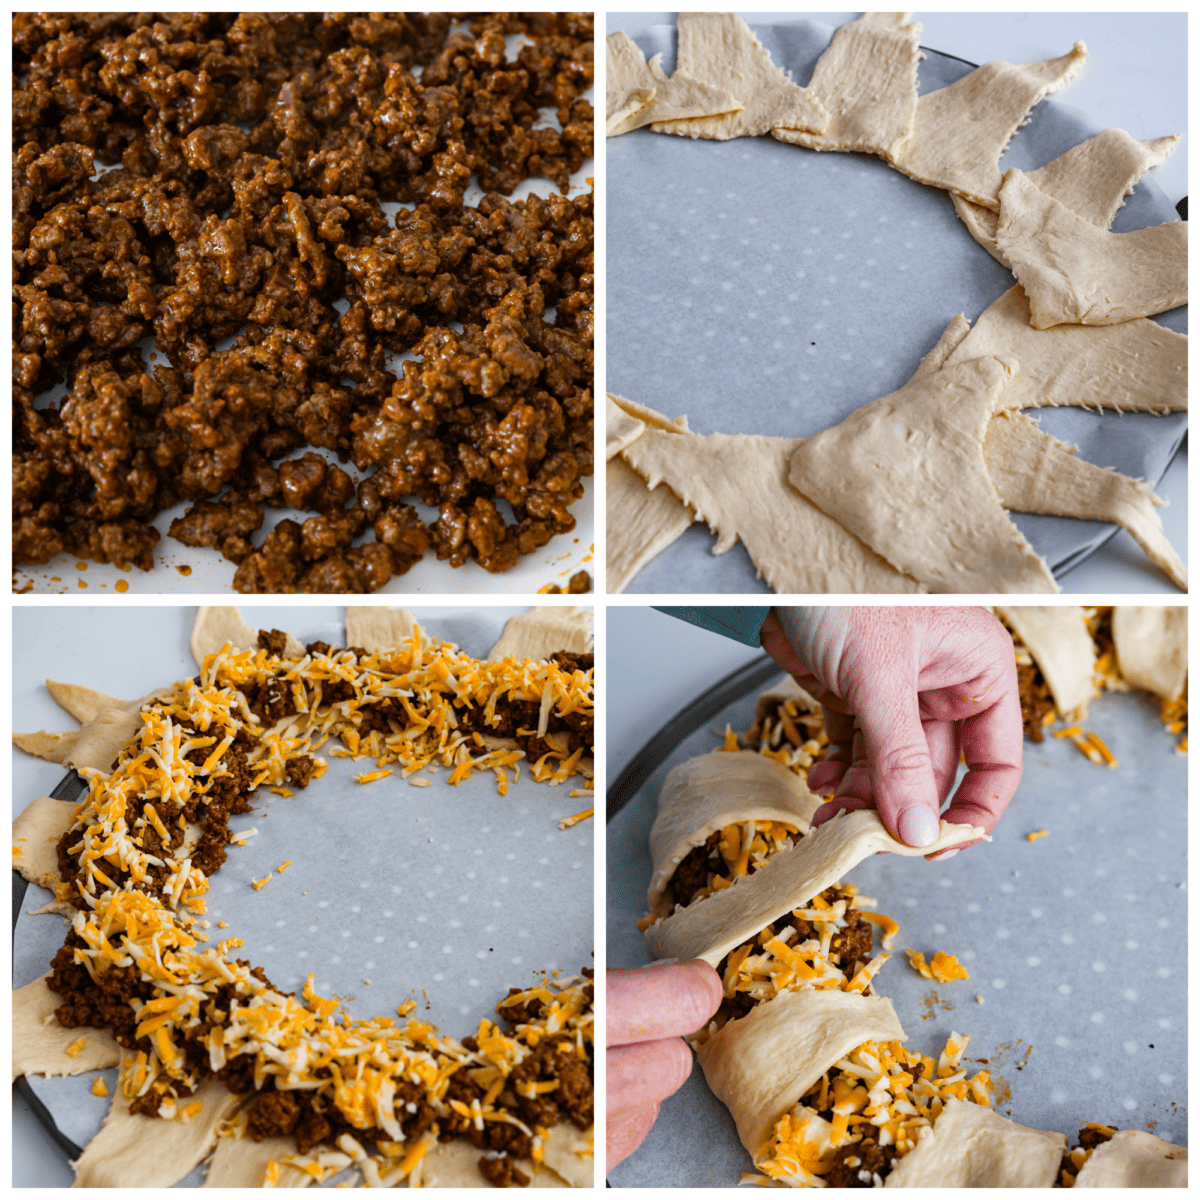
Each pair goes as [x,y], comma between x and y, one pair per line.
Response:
[567,822]
[945,968]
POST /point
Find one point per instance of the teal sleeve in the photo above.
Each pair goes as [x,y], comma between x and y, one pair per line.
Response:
[740,622]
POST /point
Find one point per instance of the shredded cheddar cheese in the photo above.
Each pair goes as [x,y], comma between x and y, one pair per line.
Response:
[99,1087]
[776,962]
[567,822]
[945,968]
[1037,833]
[880,1092]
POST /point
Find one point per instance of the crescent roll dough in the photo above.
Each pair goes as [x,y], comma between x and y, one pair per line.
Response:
[1059,641]
[972,1146]
[707,793]
[1134,1158]
[760,1065]
[712,927]
[1151,646]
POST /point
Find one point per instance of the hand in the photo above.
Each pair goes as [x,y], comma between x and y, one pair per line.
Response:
[904,689]
[647,1059]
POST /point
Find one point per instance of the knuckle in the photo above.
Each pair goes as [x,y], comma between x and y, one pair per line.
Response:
[905,762]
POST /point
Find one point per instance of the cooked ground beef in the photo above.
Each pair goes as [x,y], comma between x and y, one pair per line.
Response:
[869,1159]
[1036,701]
[243,228]
[1089,1139]
[581,581]
[850,947]
[502,1172]
[697,868]
[273,642]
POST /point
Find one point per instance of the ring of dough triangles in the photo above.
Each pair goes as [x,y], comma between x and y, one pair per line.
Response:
[1050,225]
[407,1074]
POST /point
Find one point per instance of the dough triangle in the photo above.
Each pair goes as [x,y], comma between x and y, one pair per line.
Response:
[1137,366]
[1036,473]
[1075,273]
[1091,179]
[721,50]
[867,79]
[641,523]
[961,131]
[738,485]
[906,474]
[637,92]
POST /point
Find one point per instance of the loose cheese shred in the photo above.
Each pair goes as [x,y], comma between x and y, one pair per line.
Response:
[1037,833]
[259,884]
[372,776]
[945,968]
[886,924]
[731,740]
[99,1087]
[567,822]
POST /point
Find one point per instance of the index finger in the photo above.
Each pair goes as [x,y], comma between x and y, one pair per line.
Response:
[668,1000]
[992,743]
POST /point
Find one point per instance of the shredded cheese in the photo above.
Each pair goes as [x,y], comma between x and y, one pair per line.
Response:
[945,968]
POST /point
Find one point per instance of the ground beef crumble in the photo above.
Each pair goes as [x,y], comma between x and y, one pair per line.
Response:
[242,226]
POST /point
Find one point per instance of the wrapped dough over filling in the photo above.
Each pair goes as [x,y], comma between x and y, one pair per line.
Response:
[826,945]
[867,1111]
[789,726]
[1056,661]
[1131,1158]
[721,817]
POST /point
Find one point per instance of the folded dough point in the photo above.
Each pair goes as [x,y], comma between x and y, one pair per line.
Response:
[1076,273]
[703,795]
[760,1065]
[972,1146]
[712,927]
[1062,647]
[1151,646]
[1135,1159]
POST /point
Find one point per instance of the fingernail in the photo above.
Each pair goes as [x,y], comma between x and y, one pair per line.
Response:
[945,855]
[918,826]
[660,962]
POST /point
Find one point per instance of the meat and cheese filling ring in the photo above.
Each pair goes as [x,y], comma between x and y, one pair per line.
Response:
[555,1014]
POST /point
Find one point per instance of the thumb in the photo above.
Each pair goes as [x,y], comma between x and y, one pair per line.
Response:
[901,768]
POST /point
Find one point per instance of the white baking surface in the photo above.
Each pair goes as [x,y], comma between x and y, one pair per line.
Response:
[946,273]
[184,570]
[1077,941]
[463,894]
